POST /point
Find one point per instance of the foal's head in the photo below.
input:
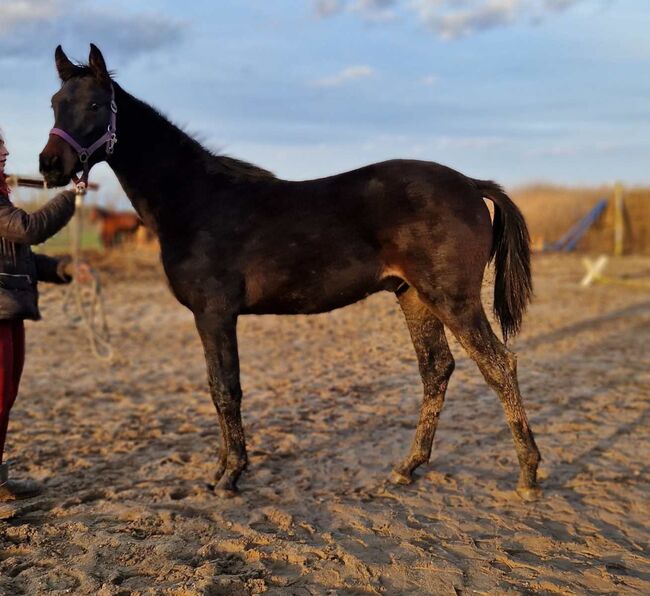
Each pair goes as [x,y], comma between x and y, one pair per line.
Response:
[82,108]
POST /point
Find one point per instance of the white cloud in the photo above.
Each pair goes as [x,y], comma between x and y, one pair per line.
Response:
[18,12]
[348,74]
[326,8]
[469,142]
[375,10]
[559,5]
[429,79]
[575,149]
[369,10]
[451,22]
[33,28]
[450,19]
[374,4]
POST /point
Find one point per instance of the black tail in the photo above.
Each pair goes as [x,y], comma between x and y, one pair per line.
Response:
[513,285]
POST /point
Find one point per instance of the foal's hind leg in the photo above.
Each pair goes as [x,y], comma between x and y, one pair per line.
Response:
[468,322]
[436,366]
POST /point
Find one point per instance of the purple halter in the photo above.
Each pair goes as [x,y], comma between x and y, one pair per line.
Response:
[109,137]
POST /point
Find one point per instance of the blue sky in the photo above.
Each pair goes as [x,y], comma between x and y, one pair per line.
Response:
[514,90]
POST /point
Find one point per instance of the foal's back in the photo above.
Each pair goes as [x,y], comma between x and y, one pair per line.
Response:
[314,245]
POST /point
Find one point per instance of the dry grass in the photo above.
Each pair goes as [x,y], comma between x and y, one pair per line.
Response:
[552,210]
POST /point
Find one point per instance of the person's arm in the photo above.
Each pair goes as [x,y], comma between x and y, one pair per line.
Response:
[20,227]
[56,270]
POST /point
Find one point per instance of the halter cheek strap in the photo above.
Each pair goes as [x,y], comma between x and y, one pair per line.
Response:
[109,138]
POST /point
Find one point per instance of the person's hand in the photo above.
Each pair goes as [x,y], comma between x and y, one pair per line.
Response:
[84,273]
[81,273]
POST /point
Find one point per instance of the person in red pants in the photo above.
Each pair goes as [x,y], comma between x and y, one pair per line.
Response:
[20,269]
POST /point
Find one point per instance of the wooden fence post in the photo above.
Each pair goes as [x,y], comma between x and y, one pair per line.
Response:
[619,220]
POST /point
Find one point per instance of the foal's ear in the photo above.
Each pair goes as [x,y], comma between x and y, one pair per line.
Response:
[97,63]
[65,68]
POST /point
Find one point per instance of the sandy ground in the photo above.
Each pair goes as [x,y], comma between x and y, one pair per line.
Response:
[330,404]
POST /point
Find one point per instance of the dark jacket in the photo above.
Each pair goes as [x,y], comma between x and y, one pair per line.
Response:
[20,268]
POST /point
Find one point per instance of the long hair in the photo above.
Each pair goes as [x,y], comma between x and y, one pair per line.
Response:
[4,187]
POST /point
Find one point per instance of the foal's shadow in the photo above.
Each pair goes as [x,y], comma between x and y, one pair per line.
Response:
[591,324]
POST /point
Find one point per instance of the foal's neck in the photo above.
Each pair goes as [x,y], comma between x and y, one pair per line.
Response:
[155,162]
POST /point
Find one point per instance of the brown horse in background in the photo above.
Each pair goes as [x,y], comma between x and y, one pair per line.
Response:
[115,226]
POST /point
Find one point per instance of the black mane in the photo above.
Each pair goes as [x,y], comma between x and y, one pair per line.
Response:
[230,167]
[78,71]
[239,168]
[217,163]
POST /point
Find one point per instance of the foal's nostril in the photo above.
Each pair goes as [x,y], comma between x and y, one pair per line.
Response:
[49,163]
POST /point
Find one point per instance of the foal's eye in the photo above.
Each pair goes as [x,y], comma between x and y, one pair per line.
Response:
[94,107]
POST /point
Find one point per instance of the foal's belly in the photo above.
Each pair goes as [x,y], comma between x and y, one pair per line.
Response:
[307,291]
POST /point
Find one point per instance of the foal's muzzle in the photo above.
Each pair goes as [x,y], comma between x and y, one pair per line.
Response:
[57,163]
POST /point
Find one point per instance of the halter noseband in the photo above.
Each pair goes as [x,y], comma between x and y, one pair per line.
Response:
[109,137]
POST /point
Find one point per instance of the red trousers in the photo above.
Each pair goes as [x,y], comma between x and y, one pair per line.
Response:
[12,359]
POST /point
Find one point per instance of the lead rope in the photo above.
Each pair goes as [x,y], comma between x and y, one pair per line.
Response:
[90,307]
[89,301]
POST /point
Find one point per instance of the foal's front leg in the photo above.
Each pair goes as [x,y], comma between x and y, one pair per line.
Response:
[219,337]
[223,448]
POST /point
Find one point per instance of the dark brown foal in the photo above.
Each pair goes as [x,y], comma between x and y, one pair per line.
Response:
[235,240]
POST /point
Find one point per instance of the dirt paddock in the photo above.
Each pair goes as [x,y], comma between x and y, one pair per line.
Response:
[330,404]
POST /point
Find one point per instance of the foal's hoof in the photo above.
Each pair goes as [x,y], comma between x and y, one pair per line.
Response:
[225,493]
[221,470]
[529,494]
[226,488]
[397,477]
